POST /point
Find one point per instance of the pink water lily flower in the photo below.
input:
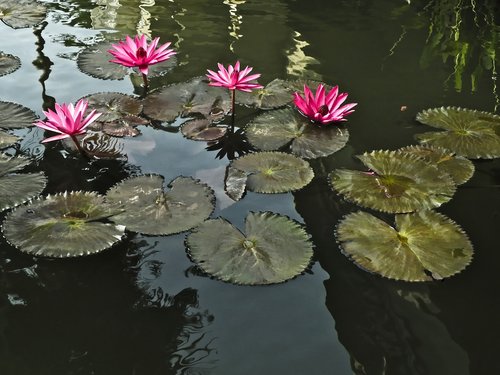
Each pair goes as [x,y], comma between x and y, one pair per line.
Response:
[67,120]
[138,53]
[233,79]
[323,107]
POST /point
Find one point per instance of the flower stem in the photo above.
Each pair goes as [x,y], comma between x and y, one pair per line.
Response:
[233,101]
[79,147]
[145,79]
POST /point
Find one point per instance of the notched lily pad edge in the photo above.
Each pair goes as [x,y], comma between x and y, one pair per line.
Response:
[271,152]
[307,269]
[392,225]
[213,200]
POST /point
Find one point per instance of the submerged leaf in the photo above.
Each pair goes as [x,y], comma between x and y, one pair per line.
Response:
[8,63]
[468,133]
[194,97]
[95,61]
[459,168]
[273,250]
[423,246]
[235,183]
[63,225]
[273,172]
[275,129]
[396,182]
[14,116]
[202,130]
[7,139]
[22,13]
[151,210]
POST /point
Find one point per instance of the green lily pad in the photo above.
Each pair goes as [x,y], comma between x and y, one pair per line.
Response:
[202,130]
[95,61]
[273,250]
[18,188]
[63,225]
[15,116]
[187,99]
[274,129]
[276,93]
[396,183]
[458,167]
[120,114]
[8,63]
[151,210]
[468,133]
[423,246]
[273,172]
[22,13]
[7,140]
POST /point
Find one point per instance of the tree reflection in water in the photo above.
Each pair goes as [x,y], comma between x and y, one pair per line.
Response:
[388,327]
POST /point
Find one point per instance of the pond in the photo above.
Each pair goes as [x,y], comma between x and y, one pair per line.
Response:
[144,307]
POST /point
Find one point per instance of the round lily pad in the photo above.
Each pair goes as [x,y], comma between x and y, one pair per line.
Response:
[422,246]
[95,61]
[18,188]
[150,210]
[195,97]
[202,130]
[276,93]
[396,182]
[273,250]
[274,129]
[7,140]
[468,133]
[22,13]
[458,167]
[273,172]
[8,63]
[14,116]
[120,113]
[63,225]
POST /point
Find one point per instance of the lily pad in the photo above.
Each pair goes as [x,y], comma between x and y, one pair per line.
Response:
[64,225]
[423,246]
[187,99]
[151,210]
[15,116]
[273,250]
[22,13]
[276,93]
[7,140]
[95,61]
[396,183]
[18,188]
[275,129]
[458,167]
[272,172]
[120,114]
[8,63]
[468,133]
[202,130]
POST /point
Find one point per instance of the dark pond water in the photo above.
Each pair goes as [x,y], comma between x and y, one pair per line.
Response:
[142,308]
